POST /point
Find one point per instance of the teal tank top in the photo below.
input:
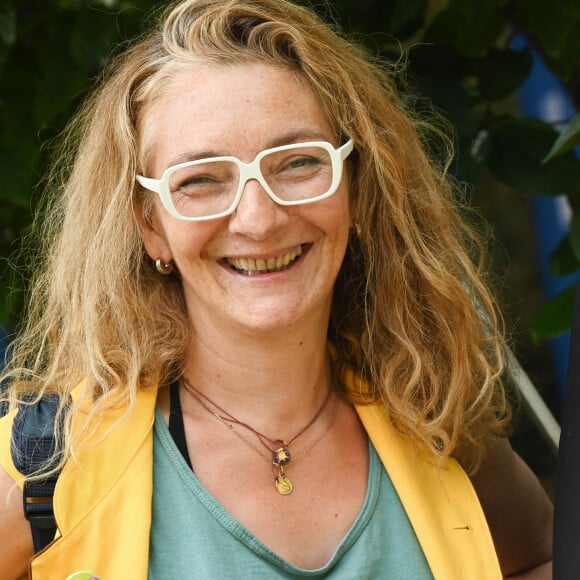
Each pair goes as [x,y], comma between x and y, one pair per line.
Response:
[194,537]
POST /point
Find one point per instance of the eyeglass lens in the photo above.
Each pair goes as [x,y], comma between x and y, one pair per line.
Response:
[209,187]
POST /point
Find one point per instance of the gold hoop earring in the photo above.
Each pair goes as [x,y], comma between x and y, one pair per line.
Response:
[164,268]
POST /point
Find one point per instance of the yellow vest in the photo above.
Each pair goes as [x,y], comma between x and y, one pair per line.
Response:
[102,503]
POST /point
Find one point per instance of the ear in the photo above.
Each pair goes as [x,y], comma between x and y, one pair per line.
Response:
[151,230]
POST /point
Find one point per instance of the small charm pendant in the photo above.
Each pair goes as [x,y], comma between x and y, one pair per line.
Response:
[281,455]
[283,485]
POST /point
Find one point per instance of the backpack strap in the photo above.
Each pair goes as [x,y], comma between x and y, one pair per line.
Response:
[34,448]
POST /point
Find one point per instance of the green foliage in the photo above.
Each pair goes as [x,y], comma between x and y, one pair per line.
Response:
[554,25]
[554,317]
[518,148]
[50,52]
[459,57]
[471,28]
[569,138]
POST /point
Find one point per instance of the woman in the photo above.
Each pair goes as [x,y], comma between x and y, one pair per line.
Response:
[254,268]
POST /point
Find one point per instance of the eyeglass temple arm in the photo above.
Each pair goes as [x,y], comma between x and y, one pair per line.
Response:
[148,183]
[346,149]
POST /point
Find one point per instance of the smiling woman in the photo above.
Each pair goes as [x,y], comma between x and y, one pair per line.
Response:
[267,218]
[281,358]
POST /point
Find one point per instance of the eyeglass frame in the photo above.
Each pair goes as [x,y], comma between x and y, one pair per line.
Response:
[249,171]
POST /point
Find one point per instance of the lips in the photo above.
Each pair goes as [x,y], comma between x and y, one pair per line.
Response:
[253,266]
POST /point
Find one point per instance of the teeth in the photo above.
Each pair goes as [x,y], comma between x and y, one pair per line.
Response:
[250,266]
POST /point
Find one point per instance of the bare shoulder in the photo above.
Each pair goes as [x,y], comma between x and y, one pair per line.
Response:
[518,511]
[15,538]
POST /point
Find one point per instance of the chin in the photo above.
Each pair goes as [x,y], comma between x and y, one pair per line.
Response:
[267,324]
[282,319]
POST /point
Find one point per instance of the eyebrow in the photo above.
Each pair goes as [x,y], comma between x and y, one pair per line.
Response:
[286,139]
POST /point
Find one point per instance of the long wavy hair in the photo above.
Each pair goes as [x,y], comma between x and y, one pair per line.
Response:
[411,314]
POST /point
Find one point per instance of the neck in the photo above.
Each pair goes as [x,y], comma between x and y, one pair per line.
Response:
[274,382]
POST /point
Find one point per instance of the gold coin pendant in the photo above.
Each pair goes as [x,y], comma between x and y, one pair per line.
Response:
[283,485]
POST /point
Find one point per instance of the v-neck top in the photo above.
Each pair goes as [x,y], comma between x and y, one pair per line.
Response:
[194,536]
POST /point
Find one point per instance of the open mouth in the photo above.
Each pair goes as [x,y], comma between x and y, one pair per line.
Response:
[252,266]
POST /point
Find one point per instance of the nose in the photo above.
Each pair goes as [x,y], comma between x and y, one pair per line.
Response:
[257,214]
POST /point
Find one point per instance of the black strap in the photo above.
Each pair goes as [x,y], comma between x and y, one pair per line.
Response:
[176,428]
[39,511]
[567,496]
[34,448]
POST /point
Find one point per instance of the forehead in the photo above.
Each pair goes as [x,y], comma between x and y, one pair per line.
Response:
[234,110]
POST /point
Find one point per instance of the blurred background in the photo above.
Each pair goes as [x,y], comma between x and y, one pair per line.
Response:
[503,75]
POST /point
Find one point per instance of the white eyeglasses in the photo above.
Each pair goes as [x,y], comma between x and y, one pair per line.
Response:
[211,188]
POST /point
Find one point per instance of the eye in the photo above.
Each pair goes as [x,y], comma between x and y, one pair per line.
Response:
[200,178]
[192,182]
[302,162]
[300,165]
[197,180]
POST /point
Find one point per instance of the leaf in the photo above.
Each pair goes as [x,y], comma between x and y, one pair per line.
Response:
[571,7]
[470,26]
[60,80]
[438,61]
[7,24]
[575,235]
[563,261]
[92,38]
[453,100]
[16,179]
[517,151]
[397,18]
[574,201]
[556,31]
[568,138]
[7,29]
[501,72]
[555,316]
[406,17]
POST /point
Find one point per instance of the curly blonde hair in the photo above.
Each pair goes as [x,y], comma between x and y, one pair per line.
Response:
[410,312]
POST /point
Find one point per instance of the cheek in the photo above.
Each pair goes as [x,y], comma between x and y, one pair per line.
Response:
[191,241]
[336,214]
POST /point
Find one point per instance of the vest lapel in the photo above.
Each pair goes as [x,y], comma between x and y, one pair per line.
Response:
[103,501]
[440,502]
